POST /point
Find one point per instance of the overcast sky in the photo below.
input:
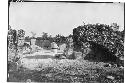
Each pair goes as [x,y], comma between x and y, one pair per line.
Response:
[60,18]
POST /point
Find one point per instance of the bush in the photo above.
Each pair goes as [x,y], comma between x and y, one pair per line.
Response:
[46,44]
[100,34]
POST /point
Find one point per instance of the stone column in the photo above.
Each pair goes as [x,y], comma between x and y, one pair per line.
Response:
[54,48]
[33,41]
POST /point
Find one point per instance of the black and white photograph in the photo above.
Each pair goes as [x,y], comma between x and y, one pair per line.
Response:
[68,41]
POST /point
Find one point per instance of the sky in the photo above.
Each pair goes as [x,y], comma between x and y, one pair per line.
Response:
[60,18]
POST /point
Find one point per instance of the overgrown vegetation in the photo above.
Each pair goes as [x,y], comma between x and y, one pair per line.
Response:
[85,39]
[69,71]
[100,36]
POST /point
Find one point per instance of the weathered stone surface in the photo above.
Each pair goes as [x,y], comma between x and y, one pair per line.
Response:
[54,45]
[70,53]
[62,47]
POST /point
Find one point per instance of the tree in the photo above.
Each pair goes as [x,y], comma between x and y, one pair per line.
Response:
[50,38]
[46,44]
[21,33]
[100,35]
[27,38]
[115,26]
[33,34]
[60,38]
[44,36]
[12,36]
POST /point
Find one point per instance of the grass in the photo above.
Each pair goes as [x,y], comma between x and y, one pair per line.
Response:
[68,71]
